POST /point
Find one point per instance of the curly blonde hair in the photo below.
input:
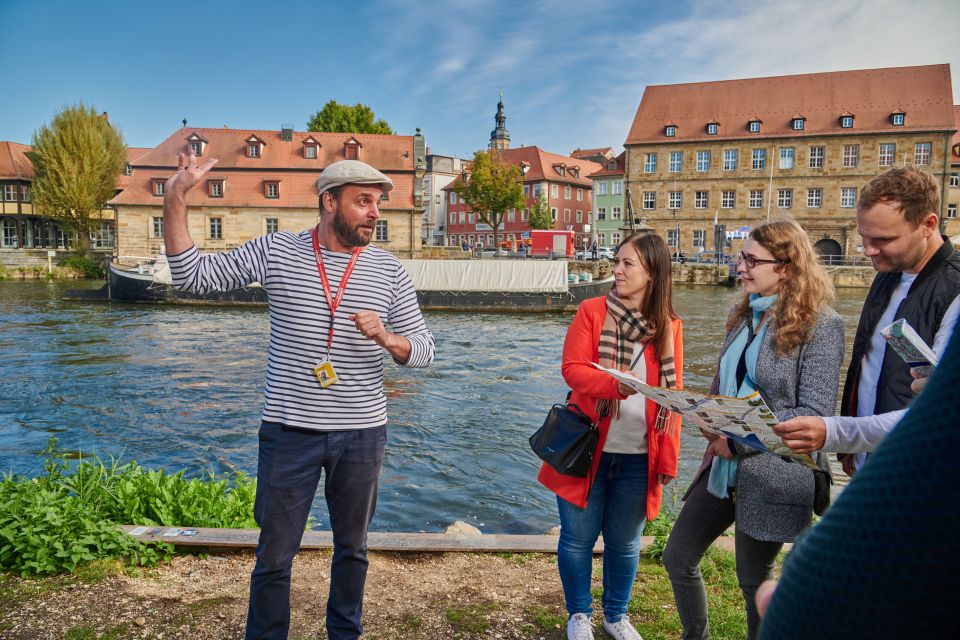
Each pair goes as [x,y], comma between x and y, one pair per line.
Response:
[806,289]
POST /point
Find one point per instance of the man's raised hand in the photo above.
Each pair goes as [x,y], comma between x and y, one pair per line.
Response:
[188,174]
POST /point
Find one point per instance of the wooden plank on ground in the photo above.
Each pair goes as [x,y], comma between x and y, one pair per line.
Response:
[376,540]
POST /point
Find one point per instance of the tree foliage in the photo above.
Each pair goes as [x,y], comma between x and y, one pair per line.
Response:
[77,159]
[492,188]
[343,118]
[540,215]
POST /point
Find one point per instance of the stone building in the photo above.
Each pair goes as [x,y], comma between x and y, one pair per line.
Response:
[740,152]
[23,228]
[266,181]
[951,222]
[441,171]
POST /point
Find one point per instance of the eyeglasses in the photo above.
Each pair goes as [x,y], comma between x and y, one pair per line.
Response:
[753,261]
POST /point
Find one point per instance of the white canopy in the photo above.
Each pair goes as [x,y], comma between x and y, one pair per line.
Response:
[537,276]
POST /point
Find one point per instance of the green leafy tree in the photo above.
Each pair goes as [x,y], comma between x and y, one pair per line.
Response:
[77,160]
[540,215]
[492,188]
[343,118]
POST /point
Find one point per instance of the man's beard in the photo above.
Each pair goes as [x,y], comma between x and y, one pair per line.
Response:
[346,234]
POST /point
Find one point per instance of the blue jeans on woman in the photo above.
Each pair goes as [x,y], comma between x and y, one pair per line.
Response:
[617,507]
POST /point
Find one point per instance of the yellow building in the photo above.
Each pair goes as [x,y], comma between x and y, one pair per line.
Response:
[266,181]
[737,153]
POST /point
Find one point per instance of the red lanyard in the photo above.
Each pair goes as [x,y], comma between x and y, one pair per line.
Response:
[332,302]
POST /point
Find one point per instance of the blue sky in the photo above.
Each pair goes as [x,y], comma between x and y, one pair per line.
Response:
[572,73]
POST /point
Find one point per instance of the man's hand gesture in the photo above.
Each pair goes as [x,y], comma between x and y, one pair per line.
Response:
[188,174]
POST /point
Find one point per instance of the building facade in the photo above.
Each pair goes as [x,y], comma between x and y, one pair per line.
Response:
[23,227]
[562,180]
[736,153]
[266,181]
[609,202]
[951,221]
[440,172]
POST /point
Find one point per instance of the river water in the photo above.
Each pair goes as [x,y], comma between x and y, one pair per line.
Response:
[181,388]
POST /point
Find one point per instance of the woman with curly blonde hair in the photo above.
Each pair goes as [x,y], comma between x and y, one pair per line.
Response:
[784,341]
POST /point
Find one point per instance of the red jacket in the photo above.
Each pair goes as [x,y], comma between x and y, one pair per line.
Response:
[590,384]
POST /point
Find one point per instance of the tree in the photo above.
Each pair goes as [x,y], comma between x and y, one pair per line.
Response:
[540,215]
[491,189]
[77,160]
[342,118]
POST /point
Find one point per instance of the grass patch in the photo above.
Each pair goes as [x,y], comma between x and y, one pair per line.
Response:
[518,558]
[89,633]
[68,517]
[470,619]
[545,619]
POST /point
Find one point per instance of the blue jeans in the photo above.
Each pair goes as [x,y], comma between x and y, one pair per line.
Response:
[616,506]
[288,472]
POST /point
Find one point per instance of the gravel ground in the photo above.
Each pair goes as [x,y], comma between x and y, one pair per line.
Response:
[409,595]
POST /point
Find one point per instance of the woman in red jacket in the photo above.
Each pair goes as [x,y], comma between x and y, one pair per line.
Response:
[633,328]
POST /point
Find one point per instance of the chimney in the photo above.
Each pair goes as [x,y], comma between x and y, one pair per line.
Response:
[286,132]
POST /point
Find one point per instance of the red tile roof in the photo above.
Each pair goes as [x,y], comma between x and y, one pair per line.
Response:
[609,173]
[923,92]
[586,153]
[280,160]
[542,166]
[14,162]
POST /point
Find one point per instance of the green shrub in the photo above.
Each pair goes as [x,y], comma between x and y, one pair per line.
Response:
[661,526]
[67,517]
[89,267]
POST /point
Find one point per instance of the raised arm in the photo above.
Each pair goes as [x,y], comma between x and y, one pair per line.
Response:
[176,236]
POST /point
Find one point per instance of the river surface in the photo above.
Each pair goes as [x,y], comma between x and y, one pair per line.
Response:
[181,388]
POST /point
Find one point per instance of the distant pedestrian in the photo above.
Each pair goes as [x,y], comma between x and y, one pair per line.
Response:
[593,250]
[633,328]
[324,410]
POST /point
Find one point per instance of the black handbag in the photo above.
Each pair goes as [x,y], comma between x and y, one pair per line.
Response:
[567,440]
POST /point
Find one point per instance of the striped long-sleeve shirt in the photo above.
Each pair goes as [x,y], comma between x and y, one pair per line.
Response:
[284,264]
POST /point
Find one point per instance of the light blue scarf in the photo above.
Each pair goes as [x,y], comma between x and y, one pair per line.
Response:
[723,473]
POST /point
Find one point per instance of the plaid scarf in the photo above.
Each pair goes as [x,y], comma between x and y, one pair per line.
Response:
[622,328]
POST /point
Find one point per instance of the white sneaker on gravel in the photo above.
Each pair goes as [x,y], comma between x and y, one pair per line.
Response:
[621,630]
[579,627]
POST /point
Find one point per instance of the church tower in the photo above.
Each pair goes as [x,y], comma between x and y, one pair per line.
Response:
[500,137]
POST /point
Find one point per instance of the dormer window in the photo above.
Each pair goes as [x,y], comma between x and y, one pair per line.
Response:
[754,125]
[670,130]
[310,148]
[560,169]
[524,167]
[271,189]
[254,147]
[351,149]
[215,187]
[156,186]
[612,165]
[798,122]
[713,128]
[846,121]
[128,169]
[898,118]
[197,144]
[575,172]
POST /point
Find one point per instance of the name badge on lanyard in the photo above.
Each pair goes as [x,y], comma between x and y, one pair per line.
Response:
[326,374]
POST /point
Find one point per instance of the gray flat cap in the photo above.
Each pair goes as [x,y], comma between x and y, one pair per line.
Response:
[351,172]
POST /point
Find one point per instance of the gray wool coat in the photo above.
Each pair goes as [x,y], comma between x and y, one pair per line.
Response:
[803,383]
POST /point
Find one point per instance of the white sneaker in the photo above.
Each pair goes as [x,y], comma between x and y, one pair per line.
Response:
[621,630]
[579,627]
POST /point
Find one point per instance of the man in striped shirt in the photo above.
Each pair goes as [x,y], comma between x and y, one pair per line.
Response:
[330,299]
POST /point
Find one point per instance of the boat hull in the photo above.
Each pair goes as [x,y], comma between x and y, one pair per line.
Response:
[128,286]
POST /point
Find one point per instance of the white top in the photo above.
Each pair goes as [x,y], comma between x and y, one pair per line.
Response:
[284,264]
[849,434]
[628,432]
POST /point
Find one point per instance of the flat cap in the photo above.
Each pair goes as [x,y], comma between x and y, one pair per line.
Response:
[351,172]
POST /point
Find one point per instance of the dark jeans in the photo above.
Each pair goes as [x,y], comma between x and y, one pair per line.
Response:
[288,472]
[702,520]
[617,507]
